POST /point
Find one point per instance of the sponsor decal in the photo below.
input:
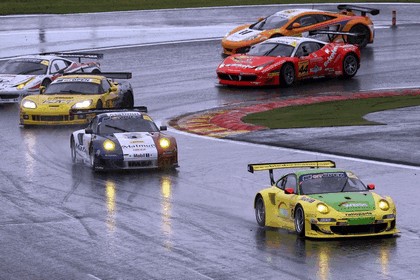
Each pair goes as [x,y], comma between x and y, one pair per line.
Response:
[315,70]
[58,101]
[331,56]
[238,65]
[303,68]
[307,199]
[136,146]
[323,175]
[353,204]
[358,214]
[146,155]
[66,80]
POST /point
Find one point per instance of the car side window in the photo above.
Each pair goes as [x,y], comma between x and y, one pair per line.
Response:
[94,124]
[105,85]
[291,182]
[306,48]
[307,20]
[58,65]
[281,182]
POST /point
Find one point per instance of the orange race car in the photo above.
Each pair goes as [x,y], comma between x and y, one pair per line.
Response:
[298,22]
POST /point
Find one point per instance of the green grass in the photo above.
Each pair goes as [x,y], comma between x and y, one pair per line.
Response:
[8,7]
[335,113]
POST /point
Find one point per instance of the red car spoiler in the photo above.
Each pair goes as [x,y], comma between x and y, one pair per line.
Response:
[363,10]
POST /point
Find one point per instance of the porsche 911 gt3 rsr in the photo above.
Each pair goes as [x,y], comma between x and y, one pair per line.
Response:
[126,139]
[297,22]
[284,60]
[322,202]
[77,91]
[23,76]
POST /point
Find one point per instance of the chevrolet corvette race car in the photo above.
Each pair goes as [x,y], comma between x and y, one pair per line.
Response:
[23,76]
[297,22]
[322,202]
[127,139]
[283,60]
[78,91]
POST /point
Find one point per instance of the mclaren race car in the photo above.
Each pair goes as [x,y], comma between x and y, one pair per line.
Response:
[127,139]
[23,76]
[284,60]
[78,91]
[322,202]
[297,22]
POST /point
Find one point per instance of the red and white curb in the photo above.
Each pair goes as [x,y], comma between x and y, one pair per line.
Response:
[222,122]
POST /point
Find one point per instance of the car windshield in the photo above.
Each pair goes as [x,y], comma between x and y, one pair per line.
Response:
[118,125]
[74,88]
[24,67]
[330,182]
[271,22]
[271,49]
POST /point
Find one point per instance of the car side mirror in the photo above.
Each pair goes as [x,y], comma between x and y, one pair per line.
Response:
[113,88]
[260,19]
[89,131]
[296,25]
[42,89]
[371,186]
[289,191]
[163,127]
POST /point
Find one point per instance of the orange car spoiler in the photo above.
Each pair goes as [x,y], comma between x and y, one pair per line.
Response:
[282,165]
[363,10]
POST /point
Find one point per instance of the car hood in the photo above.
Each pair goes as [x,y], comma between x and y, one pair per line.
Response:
[59,102]
[241,62]
[243,35]
[137,145]
[347,201]
[10,80]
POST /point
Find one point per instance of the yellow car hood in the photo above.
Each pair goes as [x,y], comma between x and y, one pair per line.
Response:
[60,103]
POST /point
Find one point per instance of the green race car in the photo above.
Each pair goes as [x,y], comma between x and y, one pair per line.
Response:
[322,202]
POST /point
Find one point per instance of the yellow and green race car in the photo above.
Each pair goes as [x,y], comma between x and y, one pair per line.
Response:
[322,202]
[72,92]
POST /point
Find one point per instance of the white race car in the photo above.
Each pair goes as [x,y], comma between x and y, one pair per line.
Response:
[123,139]
[24,75]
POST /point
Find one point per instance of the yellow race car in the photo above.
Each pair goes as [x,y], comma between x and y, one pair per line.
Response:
[298,22]
[77,91]
[322,202]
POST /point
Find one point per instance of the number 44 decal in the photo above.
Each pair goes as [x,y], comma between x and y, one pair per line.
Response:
[303,68]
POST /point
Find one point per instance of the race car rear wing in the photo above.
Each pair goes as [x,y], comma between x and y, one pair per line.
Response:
[110,75]
[142,109]
[363,10]
[333,34]
[78,55]
[283,165]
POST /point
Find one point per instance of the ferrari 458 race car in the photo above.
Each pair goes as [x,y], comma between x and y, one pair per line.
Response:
[23,76]
[127,139]
[77,91]
[297,22]
[283,60]
[322,202]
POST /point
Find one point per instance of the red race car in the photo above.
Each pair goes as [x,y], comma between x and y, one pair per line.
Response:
[284,60]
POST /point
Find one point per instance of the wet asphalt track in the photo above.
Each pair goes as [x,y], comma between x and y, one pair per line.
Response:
[63,222]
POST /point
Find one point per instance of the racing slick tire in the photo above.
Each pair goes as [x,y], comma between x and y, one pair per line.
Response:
[287,75]
[361,40]
[96,72]
[300,221]
[128,100]
[260,211]
[350,65]
[73,151]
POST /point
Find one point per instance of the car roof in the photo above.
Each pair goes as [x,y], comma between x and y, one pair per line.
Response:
[294,12]
[292,41]
[318,171]
[125,114]
[38,56]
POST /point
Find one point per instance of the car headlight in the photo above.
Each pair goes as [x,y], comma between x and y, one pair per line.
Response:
[383,205]
[322,208]
[109,145]
[22,85]
[28,104]
[83,104]
[164,143]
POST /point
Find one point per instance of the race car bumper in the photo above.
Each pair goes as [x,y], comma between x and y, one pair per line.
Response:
[7,97]
[33,118]
[118,163]
[238,79]
[231,47]
[351,227]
